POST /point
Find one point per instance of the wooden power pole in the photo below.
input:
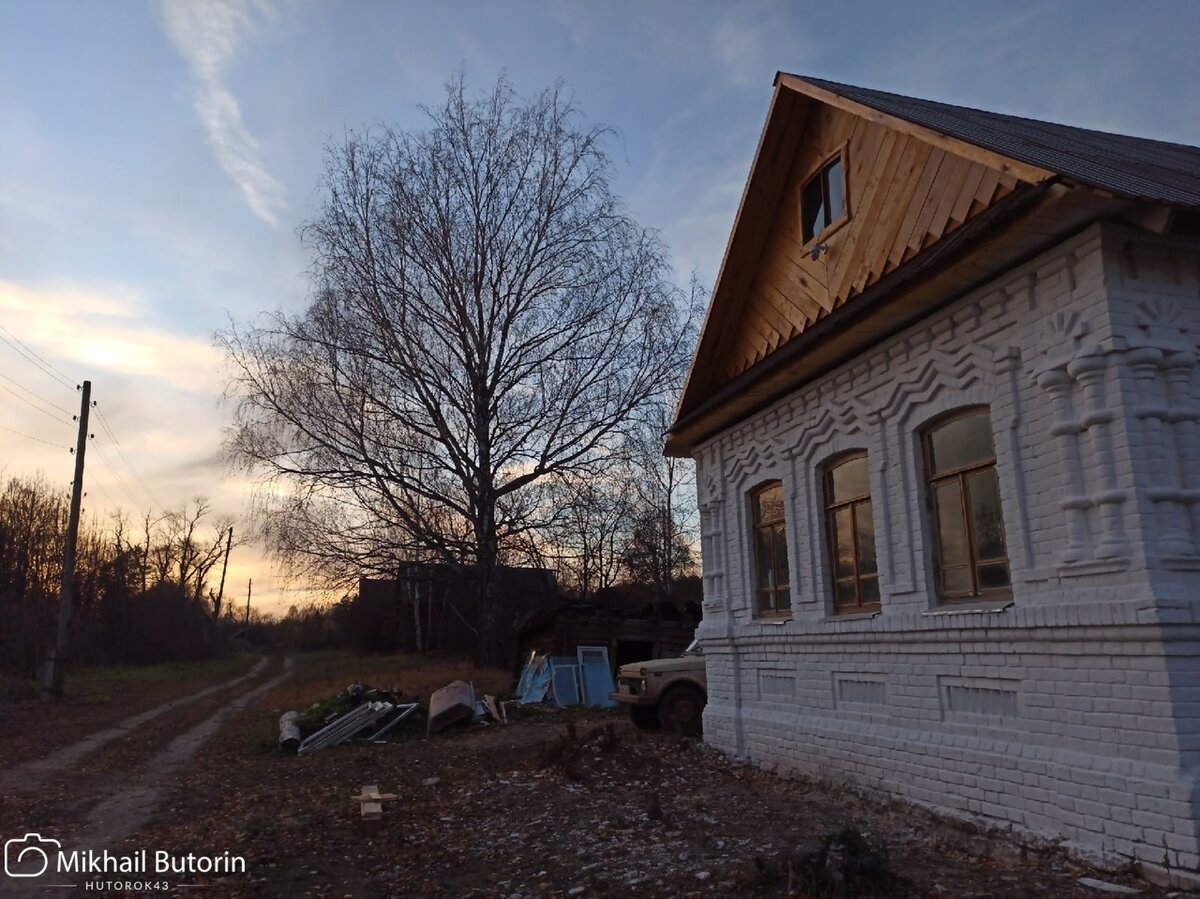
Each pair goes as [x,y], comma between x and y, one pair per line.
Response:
[224,568]
[249,584]
[56,664]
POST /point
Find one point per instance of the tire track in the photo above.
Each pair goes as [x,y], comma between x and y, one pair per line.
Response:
[29,776]
[131,804]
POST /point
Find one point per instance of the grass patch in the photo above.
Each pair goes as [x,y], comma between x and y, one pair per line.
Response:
[94,698]
[17,688]
[103,684]
[106,684]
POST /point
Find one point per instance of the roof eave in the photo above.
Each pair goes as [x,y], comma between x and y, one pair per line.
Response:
[789,367]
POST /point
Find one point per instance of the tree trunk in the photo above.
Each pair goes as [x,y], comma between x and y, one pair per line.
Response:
[485,585]
[414,590]
[669,527]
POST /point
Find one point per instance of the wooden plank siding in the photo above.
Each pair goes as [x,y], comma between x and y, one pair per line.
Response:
[1026,221]
[904,194]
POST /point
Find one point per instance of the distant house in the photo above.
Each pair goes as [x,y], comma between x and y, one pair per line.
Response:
[433,606]
[946,418]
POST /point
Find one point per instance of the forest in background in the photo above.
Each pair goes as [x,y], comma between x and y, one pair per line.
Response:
[144,589]
[147,589]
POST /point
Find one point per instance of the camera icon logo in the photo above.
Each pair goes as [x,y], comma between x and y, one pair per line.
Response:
[29,856]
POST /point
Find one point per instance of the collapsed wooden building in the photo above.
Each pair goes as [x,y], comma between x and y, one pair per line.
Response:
[436,607]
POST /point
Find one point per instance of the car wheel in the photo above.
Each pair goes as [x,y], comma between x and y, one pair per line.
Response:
[644,717]
[682,710]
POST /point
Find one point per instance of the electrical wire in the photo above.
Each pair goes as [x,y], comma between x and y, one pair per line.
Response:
[107,428]
[31,437]
[32,405]
[112,503]
[116,477]
[32,357]
[35,394]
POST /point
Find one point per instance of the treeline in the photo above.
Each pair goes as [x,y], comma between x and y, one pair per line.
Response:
[142,591]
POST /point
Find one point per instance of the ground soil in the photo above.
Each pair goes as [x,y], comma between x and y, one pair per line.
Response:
[98,699]
[553,804]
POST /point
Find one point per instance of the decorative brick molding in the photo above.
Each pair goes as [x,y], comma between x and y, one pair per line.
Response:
[1070,710]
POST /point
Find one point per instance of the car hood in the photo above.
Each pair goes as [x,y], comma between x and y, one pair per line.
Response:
[684,663]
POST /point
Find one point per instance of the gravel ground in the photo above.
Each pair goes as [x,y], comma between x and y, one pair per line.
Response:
[579,804]
[569,804]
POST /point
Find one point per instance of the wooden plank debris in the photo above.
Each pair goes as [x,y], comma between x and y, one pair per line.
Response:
[493,709]
[371,802]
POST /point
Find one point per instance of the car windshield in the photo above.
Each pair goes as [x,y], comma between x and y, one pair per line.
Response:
[694,649]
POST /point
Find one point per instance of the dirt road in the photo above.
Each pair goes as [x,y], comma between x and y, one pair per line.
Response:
[87,799]
[32,774]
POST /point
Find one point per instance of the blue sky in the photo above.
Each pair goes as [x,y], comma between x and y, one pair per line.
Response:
[156,158]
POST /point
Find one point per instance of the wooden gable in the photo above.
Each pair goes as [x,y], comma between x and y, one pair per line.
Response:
[940,199]
[903,195]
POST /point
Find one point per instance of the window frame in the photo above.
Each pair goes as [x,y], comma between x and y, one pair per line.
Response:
[778,598]
[830,508]
[960,475]
[839,155]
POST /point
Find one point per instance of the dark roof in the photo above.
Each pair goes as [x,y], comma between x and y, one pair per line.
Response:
[1135,167]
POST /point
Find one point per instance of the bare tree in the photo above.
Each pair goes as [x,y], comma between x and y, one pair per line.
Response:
[659,550]
[589,537]
[487,318]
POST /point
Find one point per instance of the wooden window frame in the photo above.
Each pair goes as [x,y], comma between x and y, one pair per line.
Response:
[776,601]
[961,475]
[831,510]
[841,154]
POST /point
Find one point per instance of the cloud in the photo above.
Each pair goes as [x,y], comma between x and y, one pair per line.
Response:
[105,330]
[158,442]
[208,36]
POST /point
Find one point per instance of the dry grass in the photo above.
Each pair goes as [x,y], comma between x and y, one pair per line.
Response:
[102,685]
[98,697]
[550,803]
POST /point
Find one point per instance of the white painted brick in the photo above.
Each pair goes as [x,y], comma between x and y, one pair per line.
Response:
[1106,665]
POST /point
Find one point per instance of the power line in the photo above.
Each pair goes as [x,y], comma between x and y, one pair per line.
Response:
[32,357]
[107,428]
[32,405]
[35,394]
[31,437]
[117,477]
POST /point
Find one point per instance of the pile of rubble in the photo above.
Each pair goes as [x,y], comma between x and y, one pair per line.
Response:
[367,713]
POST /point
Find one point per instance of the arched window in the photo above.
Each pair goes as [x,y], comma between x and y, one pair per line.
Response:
[851,531]
[970,552]
[770,550]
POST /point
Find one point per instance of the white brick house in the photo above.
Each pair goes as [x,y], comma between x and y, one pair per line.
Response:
[946,417]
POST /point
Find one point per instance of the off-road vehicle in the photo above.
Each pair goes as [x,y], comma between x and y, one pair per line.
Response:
[665,692]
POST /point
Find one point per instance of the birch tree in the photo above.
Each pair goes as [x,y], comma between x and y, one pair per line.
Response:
[486,318]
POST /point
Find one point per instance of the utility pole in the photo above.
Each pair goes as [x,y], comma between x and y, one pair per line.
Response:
[56,664]
[224,568]
[249,584]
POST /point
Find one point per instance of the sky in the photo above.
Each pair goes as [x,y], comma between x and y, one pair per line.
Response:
[157,159]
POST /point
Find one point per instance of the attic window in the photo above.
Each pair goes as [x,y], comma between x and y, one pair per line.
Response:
[823,198]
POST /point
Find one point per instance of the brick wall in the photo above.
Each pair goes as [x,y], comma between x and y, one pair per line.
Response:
[1070,711]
